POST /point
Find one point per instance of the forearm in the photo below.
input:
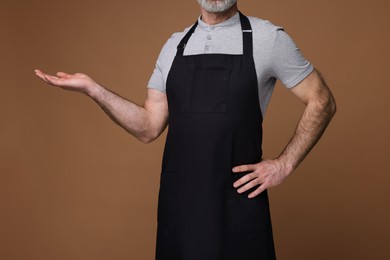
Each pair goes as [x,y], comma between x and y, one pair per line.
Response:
[132,117]
[310,128]
[144,122]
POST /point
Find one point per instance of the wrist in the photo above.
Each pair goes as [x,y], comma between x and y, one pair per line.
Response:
[94,91]
[287,166]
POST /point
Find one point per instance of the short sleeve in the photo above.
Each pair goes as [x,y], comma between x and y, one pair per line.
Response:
[156,81]
[287,62]
[163,64]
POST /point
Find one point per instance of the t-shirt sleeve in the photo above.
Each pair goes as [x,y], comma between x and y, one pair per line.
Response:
[164,63]
[157,81]
[287,62]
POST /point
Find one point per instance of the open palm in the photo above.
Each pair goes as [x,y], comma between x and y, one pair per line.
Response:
[76,82]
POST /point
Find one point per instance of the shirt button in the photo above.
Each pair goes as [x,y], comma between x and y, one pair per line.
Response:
[209,37]
[207,48]
[212,27]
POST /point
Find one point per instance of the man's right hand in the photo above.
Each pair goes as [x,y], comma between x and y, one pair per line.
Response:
[145,122]
[75,82]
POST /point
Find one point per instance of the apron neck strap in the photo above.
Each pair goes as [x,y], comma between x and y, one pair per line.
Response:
[183,42]
[246,37]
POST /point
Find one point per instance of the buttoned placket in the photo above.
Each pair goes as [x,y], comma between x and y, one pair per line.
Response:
[211,28]
[209,37]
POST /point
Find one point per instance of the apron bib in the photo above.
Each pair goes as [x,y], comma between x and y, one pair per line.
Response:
[215,123]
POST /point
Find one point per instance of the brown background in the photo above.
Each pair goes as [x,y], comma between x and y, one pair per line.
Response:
[74,185]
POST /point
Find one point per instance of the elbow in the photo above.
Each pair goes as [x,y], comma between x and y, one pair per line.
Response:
[147,137]
[146,140]
[327,106]
[332,107]
[326,103]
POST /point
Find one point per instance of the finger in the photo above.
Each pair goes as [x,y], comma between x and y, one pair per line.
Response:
[259,190]
[41,76]
[244,168]
[244,179]
[40,73]
[48,80]
[249,185]
[54,80]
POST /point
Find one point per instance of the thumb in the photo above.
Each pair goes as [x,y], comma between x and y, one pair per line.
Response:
[63,74]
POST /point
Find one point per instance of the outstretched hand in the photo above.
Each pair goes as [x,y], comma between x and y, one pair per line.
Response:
[76,82]
[267,173]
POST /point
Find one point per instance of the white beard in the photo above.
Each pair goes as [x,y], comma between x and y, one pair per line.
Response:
[216,6]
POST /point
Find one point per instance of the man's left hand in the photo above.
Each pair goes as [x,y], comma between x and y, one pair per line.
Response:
[267,173]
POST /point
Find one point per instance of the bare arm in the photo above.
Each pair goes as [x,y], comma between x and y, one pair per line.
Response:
[320,108]
[145,122]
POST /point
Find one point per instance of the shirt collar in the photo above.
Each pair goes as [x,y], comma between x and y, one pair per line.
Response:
[227,23]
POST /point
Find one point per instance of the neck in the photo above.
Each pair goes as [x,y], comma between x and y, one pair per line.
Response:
[215,18]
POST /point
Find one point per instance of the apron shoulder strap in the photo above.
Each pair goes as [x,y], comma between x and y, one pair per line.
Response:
[247,38]
[183,42]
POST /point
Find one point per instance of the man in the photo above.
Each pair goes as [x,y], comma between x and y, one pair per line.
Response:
[214,81]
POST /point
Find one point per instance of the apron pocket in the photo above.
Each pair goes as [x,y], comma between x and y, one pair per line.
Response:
[168,199]
[209,90]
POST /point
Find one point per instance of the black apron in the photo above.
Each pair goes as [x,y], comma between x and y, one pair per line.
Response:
[215,123]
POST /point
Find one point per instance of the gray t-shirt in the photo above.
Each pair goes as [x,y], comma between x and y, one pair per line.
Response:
[275,54]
